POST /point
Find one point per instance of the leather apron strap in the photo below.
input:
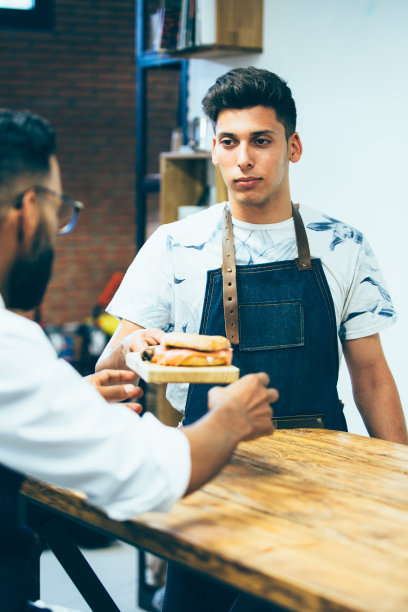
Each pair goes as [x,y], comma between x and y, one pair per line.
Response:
[303,259]
[229,272]
[229,279]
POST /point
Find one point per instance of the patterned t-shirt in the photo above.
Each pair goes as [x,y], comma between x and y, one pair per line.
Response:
[165,285]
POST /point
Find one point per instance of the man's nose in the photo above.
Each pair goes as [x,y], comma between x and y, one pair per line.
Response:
[244,156]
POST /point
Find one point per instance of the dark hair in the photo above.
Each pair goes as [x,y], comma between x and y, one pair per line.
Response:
[27,142]
[246,87]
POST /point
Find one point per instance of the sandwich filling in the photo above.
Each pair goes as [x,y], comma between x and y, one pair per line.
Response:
[195,350]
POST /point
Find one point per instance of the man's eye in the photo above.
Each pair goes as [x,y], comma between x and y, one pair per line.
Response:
[227,142]
[262,141]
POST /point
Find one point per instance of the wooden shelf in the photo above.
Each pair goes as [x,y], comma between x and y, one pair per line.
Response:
[183,179]
[186,155]
[211,51]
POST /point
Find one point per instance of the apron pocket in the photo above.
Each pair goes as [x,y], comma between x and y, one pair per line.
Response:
[268,326]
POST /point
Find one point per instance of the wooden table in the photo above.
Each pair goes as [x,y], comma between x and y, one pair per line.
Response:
[313,520]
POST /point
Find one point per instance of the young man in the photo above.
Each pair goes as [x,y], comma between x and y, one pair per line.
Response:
[292,287]
[54,425]
[308,287]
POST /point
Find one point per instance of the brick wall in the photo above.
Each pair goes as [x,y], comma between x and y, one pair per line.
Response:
[81,75]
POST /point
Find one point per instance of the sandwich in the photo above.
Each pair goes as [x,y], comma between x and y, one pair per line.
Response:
[193,350]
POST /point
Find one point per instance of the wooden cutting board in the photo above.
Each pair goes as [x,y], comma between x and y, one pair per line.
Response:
[153,373]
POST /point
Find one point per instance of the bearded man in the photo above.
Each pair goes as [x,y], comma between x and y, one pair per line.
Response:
[54,425]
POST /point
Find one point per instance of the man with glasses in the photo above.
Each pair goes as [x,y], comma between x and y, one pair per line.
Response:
[54,425]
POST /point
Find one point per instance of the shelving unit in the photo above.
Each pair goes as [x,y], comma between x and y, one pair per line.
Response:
[146,61]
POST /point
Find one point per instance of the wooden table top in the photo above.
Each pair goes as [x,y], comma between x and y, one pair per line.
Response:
[313,520]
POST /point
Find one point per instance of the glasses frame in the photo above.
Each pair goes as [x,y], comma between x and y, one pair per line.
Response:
[75,205]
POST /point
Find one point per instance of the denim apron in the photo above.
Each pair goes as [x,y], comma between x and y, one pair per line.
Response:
[287,328]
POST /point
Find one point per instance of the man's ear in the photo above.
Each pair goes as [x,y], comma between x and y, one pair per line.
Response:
[29,217]
[295,147]
[213,154]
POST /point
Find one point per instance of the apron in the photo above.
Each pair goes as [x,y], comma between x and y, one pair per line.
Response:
[280,319]
[283,324]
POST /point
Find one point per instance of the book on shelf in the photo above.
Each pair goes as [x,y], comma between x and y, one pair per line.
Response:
[205,22]
[155,25]
[180,24]
[190,27]
[185,38]
[170,23]
[165,25]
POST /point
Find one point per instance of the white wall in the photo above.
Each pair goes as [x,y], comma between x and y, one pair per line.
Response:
[347,65]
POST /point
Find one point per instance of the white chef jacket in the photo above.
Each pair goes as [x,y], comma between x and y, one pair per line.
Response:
[56,427]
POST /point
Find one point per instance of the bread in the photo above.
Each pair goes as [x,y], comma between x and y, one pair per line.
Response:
[197,342]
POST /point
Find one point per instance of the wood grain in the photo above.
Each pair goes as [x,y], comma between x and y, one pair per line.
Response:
[154,373]
[313,520]
[183,179]
[239,23]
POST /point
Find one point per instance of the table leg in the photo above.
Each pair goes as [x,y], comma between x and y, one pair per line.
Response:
[53,532]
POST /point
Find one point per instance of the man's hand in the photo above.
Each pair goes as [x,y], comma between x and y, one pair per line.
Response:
[116,386]
[128,337]
[246,404]
[139,340]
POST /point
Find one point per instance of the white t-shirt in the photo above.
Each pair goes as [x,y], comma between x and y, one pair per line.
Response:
[165,285]
[56,427]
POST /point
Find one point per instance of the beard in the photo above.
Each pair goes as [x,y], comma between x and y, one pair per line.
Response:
[251,203]
[30,274]
[254,202]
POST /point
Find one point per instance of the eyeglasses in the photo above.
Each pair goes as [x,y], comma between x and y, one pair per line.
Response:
[68,209]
